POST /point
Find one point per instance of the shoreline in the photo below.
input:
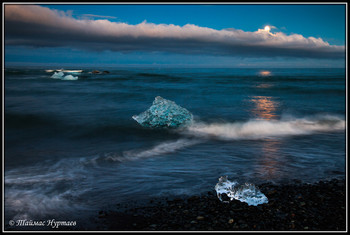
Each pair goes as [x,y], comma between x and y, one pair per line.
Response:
[294,206]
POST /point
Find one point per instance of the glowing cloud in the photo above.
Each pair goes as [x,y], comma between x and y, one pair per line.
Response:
[38,26]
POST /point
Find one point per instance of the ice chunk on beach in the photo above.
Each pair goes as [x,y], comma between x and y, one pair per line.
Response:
[224,189]
[58,75]
[248,193]
[164,113]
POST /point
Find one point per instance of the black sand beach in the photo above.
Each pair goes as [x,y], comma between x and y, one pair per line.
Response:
[291,207]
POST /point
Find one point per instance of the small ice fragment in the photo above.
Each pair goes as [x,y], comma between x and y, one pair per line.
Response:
[249,193]
[224,189]
[70,77]
[164,113]
[58,75]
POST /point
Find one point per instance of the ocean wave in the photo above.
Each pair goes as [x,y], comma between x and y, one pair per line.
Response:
[33,195]
[51,188]
[259,128]
[55,189]
[160,149]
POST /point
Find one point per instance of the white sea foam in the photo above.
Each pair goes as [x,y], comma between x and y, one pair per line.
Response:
[39,191]
[37,202]
[48,190]
[160,149]
[256,129]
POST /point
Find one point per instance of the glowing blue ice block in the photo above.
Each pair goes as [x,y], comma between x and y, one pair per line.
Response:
[164,114]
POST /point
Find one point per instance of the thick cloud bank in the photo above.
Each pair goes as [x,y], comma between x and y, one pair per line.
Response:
[42,27]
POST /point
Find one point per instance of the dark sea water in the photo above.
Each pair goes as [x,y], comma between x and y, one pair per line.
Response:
[72,147]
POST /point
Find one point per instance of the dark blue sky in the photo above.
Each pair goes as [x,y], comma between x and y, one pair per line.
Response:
[327,22]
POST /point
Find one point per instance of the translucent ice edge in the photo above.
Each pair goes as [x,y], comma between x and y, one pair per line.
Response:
[248,193]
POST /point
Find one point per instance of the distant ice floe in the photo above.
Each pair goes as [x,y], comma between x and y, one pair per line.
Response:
[70,77]
[57,75]
[164,113]
[248,193]
[60,75]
